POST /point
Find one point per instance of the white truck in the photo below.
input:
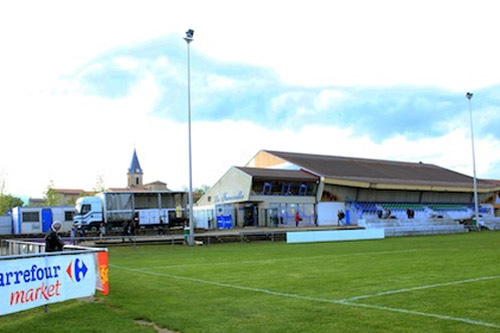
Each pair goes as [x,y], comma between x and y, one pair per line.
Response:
[115,208]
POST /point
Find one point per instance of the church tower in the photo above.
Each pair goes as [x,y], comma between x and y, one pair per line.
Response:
[134,174]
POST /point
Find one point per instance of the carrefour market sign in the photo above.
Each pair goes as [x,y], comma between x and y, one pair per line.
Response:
[30,282]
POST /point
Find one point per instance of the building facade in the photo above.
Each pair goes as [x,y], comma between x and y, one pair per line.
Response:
[274,186]
[258,197]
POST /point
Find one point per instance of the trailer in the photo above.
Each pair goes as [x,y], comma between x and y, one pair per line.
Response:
[36,220]
[5,225]
[147,208]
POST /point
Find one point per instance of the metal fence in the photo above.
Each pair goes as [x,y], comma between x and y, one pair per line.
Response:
[14,248]
[11,247]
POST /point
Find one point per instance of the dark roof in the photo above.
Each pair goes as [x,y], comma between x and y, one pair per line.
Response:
[157,182]
[371,171]
[138,189]
[494,181]
[67,191]
[281,174]
[135,166]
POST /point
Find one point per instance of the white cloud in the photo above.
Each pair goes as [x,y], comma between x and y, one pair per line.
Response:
[102,144]
[329,97]
[166,66]
[127,63]
[55,132]
[220,82]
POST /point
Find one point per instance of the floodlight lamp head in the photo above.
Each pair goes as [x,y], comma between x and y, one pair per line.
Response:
[469,95]
[189,36]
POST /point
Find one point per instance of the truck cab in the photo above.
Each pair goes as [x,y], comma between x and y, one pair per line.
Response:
[88,213]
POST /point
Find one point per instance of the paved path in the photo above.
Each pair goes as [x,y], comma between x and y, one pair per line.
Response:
[211,236]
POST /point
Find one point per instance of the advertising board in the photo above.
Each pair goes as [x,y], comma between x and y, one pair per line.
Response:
[39,280]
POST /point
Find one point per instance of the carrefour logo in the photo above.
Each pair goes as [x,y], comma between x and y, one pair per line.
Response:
[31,281]
[36,283]
[77,270]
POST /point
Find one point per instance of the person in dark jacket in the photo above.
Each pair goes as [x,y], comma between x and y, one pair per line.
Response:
[53,242]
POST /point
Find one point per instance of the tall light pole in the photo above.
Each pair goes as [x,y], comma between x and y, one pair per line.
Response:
[469,95]
[189,39]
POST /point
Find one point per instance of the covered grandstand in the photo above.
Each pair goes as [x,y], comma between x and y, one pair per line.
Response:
[395,195]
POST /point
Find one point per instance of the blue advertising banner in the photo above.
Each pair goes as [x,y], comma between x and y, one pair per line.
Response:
[31,282]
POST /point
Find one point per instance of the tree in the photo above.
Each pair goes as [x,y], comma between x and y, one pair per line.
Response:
[198,192]
[99,184]
[8,201]
[201,190]
[52,198]
[2,182]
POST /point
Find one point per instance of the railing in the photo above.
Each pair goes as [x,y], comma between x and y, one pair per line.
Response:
[422,210]
[18,247]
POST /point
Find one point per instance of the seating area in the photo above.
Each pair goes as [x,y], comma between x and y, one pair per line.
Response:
[491,223]
[421,210]
[430,218]
[453,210]
[395,227]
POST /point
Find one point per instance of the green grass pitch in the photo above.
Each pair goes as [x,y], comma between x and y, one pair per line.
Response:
[441,283]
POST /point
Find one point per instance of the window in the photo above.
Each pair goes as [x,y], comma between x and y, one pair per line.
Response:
[85,209]
[68,216]
[31,216]
[303,189]
[267,188]
[285,188]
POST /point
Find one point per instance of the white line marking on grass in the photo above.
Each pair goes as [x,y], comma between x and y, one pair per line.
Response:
[436,285]
[346,302]
[424,314]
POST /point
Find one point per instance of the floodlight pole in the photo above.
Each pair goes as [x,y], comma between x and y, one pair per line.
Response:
[469,95]
[189,39]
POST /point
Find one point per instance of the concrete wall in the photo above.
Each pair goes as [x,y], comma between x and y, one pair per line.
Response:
[234,186]
[333,235]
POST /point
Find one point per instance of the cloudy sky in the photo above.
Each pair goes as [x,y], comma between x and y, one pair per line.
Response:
[84,83]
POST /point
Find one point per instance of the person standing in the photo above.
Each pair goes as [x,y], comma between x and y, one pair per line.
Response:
[133,227]
[340,216]
[53,242]
[102,231]
[161,228]
[297,218]
[72,234]
[126,229]
[186,233]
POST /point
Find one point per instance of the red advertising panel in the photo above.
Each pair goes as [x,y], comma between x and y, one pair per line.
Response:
[102,270]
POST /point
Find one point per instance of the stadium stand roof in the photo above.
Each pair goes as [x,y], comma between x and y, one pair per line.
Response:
[284,175]
[372,173]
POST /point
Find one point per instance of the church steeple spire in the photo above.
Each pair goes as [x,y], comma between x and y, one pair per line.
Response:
[134,173]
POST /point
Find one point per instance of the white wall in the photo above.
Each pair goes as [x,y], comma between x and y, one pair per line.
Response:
[202,215]
[5,225]
[327,212]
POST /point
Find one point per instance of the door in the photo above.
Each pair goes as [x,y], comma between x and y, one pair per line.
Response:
[250,216]
[46,219]
[272,218]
